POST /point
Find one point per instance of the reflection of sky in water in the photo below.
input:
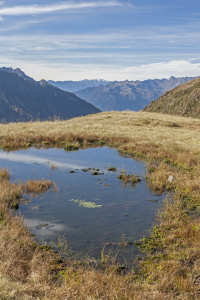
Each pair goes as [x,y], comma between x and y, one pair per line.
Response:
[30,159]
[46,230]
[123,210]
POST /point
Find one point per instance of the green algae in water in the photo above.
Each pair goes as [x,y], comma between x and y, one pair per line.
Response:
[86,204]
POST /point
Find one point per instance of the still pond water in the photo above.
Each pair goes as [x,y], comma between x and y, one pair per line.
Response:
[118,212]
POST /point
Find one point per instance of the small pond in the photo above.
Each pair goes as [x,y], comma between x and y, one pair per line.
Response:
[88,211]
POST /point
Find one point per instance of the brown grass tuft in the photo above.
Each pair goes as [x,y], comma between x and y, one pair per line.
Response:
[4,174]
[126,178]
[38,186]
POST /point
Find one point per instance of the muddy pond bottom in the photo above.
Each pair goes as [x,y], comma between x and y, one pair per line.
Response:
[91,212]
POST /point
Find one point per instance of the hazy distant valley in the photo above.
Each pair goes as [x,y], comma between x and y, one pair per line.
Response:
[73,86]
[120,95]
[132,95]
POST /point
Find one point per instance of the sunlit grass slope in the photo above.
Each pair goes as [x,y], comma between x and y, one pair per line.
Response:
[171,270]
[181,101]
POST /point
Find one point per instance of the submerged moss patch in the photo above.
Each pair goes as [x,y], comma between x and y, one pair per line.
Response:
[86,204]
[71,148]
[113,169]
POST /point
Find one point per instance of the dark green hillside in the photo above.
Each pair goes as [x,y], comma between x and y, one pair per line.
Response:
[25,100]
[181,101]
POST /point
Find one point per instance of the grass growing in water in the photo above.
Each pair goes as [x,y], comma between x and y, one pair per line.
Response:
[54,167]
[4,174]
[71,147]
[126,178]
[38,186]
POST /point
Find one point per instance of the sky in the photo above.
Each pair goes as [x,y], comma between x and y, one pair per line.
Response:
[106,39]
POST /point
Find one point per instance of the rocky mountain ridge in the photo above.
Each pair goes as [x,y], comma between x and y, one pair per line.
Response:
[17,71]
[72,86]
[129,95]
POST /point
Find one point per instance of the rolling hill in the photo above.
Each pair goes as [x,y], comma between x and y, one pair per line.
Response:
[129,95]
[181,101]
[22,99]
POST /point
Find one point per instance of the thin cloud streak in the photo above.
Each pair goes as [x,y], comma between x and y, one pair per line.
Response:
[41,9]
[111,72]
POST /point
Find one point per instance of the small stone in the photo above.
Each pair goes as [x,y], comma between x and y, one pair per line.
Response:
[171,178]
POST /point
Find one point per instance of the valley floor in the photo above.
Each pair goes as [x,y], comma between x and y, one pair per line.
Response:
[171,269]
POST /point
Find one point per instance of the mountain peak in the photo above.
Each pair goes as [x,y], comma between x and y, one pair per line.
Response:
[73,86]
[17,71]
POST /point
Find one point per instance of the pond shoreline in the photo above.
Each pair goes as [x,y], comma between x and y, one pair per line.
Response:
[171,267]
[114,204]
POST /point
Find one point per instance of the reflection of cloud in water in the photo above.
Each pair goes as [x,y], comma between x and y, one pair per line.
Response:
[30,159]
[52,229]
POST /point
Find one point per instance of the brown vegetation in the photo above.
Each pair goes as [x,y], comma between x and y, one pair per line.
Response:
[126,178]
[171,269]
[4,174]
[38,186]
[181,101]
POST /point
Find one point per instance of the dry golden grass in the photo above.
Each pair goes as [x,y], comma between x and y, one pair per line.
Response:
[120,127]
[171,269]
[38,186]
[4,174]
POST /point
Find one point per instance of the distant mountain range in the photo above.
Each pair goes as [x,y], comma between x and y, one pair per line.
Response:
[72,86]
[184,100]
[129,95]
[23,99]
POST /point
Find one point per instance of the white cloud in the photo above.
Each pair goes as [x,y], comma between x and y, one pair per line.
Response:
[66,71]
[1,19]
[177,68]
[2,2]
[41,9]
[41,48]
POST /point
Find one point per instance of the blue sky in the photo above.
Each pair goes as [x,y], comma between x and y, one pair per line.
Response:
[112,40]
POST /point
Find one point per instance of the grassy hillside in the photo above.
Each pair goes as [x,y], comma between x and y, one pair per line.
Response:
[181,101]
[170,146]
